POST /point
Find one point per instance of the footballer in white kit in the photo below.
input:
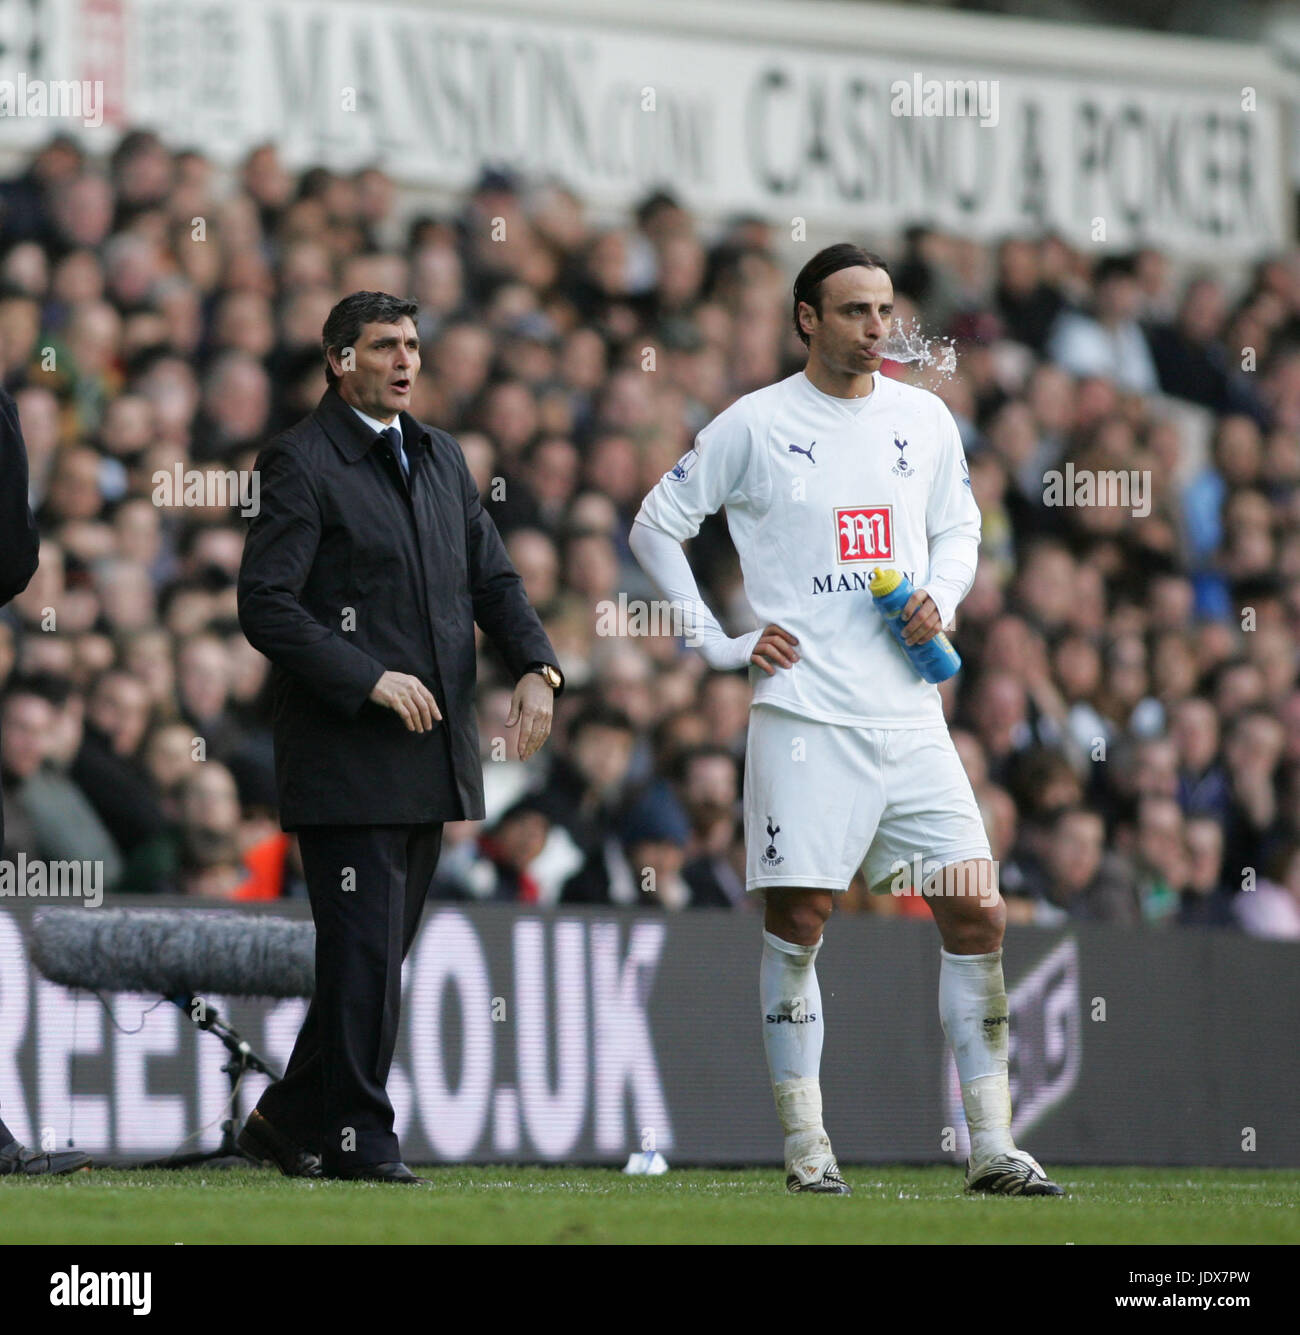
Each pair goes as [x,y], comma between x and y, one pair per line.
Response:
[825,476]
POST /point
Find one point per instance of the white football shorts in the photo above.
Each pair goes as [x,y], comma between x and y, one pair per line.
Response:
[823,799]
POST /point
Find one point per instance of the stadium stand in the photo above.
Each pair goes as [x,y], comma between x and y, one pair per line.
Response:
[1128,713]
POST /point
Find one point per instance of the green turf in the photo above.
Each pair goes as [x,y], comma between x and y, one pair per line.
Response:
[889,1205]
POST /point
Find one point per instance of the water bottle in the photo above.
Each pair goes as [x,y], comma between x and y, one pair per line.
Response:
[936,660]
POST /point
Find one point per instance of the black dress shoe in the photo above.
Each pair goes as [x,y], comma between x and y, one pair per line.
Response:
[18,1161]
[261,1141]
[381,1172]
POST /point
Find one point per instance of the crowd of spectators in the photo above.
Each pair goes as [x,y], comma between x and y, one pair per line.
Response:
[1128,713]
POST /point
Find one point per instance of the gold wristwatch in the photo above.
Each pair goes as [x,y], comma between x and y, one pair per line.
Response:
[551,676]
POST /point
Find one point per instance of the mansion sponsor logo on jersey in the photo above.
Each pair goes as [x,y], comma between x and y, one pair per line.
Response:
[1113,488]
[864,533]
[864,536]
[103,1288]
[853,582]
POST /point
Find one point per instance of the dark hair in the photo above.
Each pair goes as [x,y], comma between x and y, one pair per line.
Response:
[570,537]
[808,286]
[707,751]
[344,323]
[48,686]
[1114,266]
[1058,817]
[131,144]
[597,715]
[655,202]
[531,803]
[1036,769]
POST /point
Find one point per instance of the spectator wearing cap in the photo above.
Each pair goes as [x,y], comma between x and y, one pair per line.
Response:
[496,865]
[655,836]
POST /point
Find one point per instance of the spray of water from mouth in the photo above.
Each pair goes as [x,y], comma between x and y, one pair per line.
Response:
[906,343]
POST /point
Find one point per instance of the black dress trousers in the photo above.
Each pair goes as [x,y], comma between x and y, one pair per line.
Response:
[368,885]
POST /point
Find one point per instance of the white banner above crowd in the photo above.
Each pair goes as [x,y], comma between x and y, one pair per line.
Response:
[863,117]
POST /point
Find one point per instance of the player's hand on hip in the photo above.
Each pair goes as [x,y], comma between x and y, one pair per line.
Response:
[921,620]
[531,707]
[775,648]
[409,698]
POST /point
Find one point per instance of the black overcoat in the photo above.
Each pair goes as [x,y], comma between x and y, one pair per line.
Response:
[347,572]
[19,541]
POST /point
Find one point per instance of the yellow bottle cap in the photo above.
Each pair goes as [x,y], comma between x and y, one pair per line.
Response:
[883,582]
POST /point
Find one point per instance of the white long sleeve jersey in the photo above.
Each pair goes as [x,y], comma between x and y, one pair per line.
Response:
[819,491]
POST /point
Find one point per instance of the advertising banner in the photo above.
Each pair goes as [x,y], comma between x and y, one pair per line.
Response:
[856,118]
[587,1035]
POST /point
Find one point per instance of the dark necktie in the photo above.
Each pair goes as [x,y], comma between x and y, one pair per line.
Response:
[393,435]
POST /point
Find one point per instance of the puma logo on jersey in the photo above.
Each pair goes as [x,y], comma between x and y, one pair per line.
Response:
[798,449]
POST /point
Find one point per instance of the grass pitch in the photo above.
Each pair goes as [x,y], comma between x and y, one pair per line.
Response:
[586,1205]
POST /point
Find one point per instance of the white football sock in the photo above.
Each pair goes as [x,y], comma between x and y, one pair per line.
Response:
[793,1030]
[973,1010]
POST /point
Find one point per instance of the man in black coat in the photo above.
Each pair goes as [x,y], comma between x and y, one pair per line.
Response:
[364,573]
[19,556]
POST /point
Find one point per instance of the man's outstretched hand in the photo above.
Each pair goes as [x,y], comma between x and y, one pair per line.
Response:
[531,707]
[409,698]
